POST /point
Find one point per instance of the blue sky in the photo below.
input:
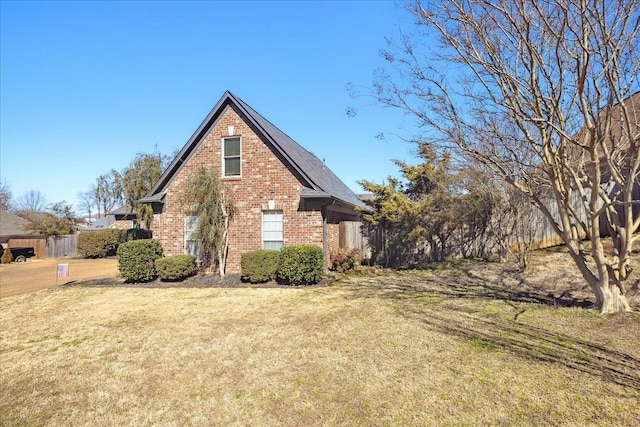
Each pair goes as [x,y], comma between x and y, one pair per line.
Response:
[87,85]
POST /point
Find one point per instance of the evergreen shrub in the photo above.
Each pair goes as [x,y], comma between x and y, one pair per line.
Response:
[300,265]
[7,256]
[99,243]
[136,259]
[259,266]
[176,268]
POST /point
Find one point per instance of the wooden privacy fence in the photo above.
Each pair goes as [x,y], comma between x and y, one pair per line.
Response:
[537,229]
[49,247]
[545,235]
[351,237]
[37,243]
[62,246]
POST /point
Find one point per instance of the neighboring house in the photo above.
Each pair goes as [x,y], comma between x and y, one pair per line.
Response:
[628,144]
[12,225]
[283,194]
[13,234]
[125,218]
[101,223]
[615,140]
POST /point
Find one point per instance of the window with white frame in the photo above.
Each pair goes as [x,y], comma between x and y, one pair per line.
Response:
[272,236]
[231,156]
[190,243]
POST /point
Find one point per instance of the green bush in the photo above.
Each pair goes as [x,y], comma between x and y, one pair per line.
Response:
[176,268]
[300,265]
[7,256]
[259,266]
[99,243]
[136,259]
[344,260]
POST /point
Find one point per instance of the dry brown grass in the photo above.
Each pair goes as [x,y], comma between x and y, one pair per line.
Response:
[36,274]
[472,346]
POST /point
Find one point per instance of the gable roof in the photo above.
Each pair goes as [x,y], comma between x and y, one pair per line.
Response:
[318,180]
[123,213]
[103,222]
[12,224]
[618,139]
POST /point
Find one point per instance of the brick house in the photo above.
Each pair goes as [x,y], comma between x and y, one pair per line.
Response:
[283,194]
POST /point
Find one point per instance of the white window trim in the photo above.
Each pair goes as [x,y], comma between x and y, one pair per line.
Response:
[262,227]
[187,238]
[224,172]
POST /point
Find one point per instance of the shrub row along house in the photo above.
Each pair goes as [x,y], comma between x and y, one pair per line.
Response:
[283,194]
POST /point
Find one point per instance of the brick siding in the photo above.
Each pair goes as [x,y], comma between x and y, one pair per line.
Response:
[263,177]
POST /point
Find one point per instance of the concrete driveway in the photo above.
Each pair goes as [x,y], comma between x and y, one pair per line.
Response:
[36,274]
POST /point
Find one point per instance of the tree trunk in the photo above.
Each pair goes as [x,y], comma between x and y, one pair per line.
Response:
[610,300]
[221,263]
[503,251]
[223,252]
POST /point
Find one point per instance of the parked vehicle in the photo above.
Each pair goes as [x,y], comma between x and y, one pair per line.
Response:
[20,254]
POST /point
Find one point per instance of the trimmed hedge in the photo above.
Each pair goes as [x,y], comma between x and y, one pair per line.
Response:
[104,243]
[259,266]
[100,243]
[136,259]
[300,265]
[176,268]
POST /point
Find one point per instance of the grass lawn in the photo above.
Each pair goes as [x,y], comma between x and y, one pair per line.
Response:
[422,348]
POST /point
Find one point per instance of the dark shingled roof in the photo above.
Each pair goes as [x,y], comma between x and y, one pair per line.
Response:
[102,223]
[318,180]
[123,213]
[12,224]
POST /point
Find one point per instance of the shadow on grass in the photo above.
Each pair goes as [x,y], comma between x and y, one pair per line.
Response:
[421,299]
[465,283]
[539,344]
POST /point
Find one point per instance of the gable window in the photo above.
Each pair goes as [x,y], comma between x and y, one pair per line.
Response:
[272,236]
[190,243]
[231,156]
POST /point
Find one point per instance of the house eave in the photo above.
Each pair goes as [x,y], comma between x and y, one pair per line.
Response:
[225,101]
[302,163]
[123,214]
[332,206]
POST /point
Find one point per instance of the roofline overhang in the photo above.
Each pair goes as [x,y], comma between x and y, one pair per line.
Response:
[126,217]
[156,198]
[328,200]
[225,101]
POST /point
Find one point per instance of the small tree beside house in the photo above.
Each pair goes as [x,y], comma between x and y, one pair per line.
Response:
[204,198]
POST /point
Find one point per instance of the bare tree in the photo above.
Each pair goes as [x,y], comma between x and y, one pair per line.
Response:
[5,196]
[561,75]
[29,204]
[524,227]
[108,192]
[85,202]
